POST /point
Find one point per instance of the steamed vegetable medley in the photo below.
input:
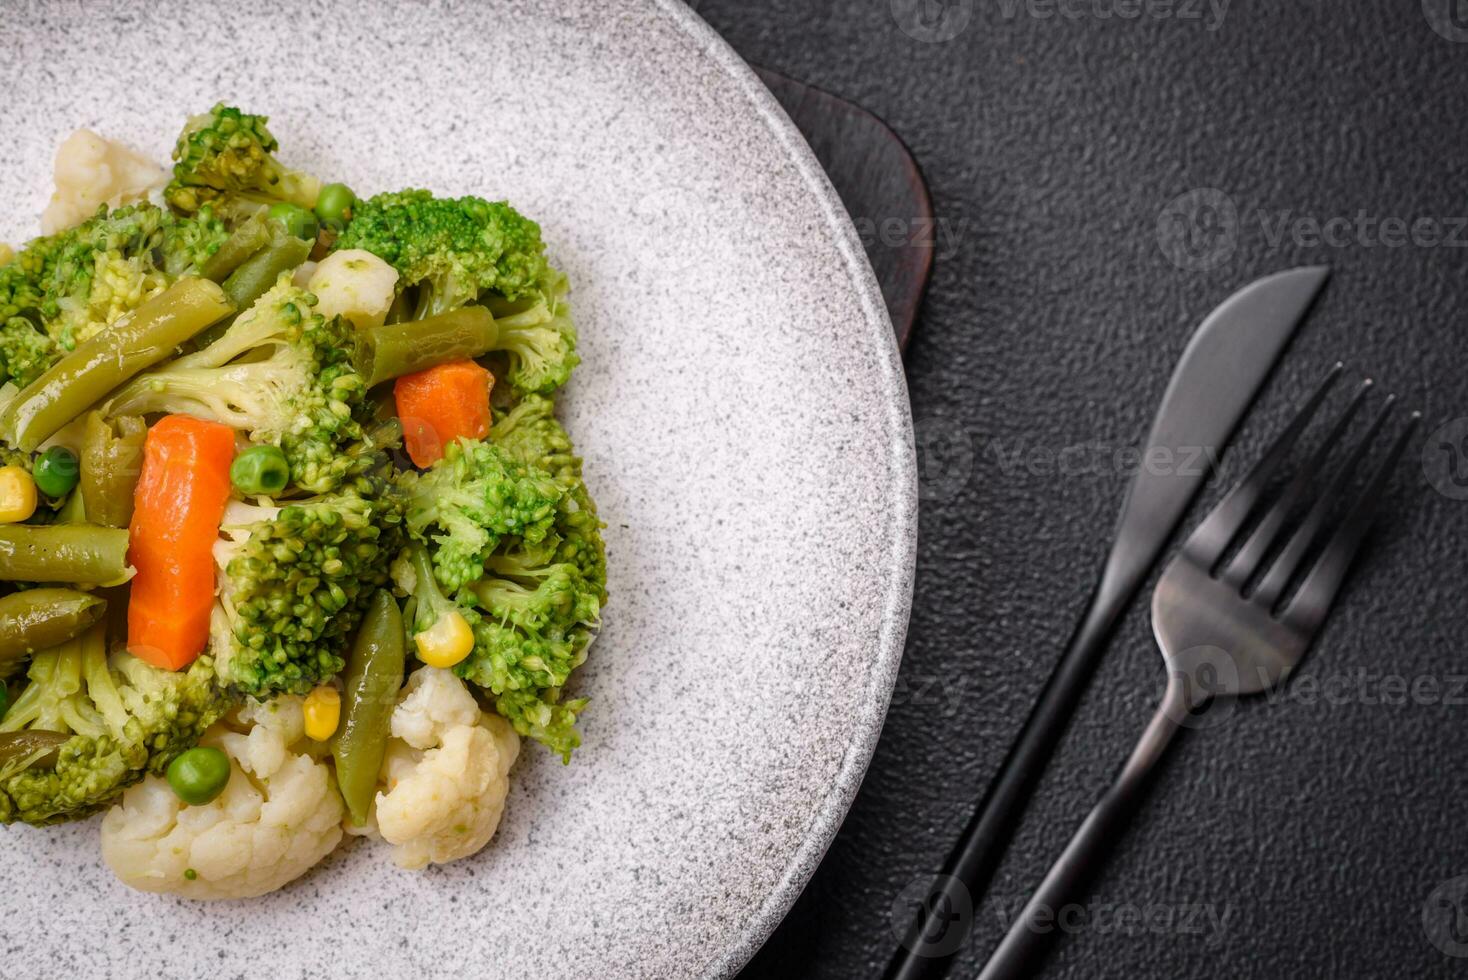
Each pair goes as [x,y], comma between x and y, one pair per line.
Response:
[291,542]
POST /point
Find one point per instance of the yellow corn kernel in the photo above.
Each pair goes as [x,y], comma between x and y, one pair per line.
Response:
[17,495]
[323,710]
[446,642]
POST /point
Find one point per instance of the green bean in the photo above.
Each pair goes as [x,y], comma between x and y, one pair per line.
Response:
[131,345]
[83,553]
[29,749]
[38,619]
[260,271]
[395,349]
[112,460]
[370,688]
[249,237]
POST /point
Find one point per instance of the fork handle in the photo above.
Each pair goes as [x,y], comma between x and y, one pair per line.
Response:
[1030,934]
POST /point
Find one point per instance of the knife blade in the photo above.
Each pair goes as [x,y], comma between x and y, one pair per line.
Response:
[1216,379]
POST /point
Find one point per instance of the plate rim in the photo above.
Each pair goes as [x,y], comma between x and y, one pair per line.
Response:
[902,460]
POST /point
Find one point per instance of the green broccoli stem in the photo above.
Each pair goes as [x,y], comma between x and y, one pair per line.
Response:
[54,699]
[432,603]
[300,189]
[132,345]
[395,349]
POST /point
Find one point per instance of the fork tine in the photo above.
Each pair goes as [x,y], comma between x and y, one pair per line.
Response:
[1208,543]
[1288,562]
[1318,591]
[1250,558]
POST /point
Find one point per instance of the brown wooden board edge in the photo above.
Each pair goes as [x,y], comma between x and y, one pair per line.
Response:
[880,183]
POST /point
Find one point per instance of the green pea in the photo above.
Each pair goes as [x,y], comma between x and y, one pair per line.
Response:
[334,205]
[260,470]
[56,471]
[297,220]
[199,775]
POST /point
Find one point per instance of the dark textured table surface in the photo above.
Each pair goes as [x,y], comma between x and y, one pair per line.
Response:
[1323,834]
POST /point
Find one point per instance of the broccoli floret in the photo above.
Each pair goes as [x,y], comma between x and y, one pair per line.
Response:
[190,241]
[93,274]
[537,338]
[295,582]
[280,372]
[449,249]
[453,251]
[25,352]
[540,604]
[20,291]
[226,151]
[125,718]
[531,433]
[532,595]
[524,681]
[470,501]
[80,281]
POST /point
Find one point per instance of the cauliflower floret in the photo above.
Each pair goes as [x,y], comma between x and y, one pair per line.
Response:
[279,815]
[432,703]
[445,774]
[355,284]
[92,171]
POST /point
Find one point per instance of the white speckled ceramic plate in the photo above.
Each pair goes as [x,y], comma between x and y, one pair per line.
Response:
[745,424]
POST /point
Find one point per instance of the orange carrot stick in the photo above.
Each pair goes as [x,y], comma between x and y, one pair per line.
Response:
[177,508]
[441,404]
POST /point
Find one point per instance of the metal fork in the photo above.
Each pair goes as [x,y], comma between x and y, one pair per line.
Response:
[1234,613]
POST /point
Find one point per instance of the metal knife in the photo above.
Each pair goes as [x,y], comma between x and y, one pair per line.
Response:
[1215,381]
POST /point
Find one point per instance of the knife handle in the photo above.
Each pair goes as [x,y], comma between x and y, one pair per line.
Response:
[941,923]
